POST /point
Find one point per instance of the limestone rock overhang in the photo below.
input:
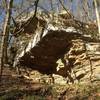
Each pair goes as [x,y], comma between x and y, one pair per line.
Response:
[43,55]
[44,50]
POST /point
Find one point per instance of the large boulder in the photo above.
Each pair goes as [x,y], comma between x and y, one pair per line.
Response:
[45,39]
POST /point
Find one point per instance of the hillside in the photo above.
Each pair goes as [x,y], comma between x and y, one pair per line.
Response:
[57,57]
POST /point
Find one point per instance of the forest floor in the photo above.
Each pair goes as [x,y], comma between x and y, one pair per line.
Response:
[14,87]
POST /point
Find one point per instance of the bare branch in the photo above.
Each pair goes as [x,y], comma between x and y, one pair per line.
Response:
[65,8]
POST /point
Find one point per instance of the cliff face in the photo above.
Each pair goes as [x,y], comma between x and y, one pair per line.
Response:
[83,61]
[55,45]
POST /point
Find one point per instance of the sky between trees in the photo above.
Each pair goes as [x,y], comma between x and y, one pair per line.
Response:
[81,9]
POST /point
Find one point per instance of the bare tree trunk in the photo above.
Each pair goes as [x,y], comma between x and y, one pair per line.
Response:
[97,16]
[5,36]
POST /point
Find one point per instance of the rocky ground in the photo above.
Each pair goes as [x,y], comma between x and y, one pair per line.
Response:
[15,87]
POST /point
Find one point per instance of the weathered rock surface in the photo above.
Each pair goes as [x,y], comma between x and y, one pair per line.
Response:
[48,41]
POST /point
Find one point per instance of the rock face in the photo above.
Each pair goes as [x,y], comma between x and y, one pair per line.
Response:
[46,42]
[83,63]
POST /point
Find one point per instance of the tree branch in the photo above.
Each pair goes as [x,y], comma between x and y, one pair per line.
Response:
[65,8]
